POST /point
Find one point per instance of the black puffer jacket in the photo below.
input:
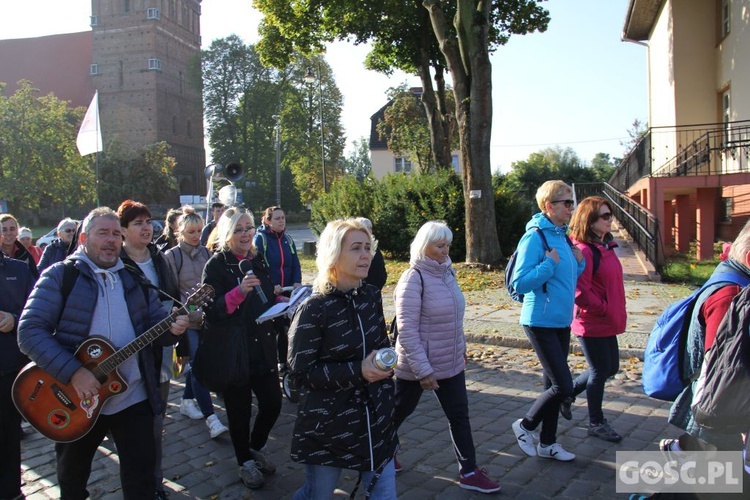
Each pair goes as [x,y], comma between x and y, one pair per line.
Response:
[16,283]
[342,420]
[222,272]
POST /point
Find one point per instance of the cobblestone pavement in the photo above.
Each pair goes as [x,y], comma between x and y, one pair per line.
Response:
[503,378]
[502,383]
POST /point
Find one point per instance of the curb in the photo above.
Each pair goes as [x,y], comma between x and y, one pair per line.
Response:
[521,343]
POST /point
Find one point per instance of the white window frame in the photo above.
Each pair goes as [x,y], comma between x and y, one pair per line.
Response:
[93,69]
[402,164]
[153,13]
[154,64]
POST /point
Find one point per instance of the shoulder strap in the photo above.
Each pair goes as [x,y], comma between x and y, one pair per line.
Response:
[421,281]
[178,259]
[596,254]
[544,239]
[289,239]
[265,245]
[70,275]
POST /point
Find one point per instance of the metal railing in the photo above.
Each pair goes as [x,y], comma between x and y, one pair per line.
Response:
[707,149]
[640,224]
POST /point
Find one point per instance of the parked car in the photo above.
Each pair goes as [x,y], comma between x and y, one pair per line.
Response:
[45,240]
[158,228]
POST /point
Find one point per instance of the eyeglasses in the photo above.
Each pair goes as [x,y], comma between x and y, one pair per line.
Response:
[568,203]
[606,216]
[244,230]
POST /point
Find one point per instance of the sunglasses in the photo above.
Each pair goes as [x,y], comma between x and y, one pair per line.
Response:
[568,203]
[606,216]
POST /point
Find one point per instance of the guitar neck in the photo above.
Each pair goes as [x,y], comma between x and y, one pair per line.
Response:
[141,341]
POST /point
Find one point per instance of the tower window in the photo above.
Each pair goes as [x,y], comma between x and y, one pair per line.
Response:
[153,13]
[154,64]
[93,69]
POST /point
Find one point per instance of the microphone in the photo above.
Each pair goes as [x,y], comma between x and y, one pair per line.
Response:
[248,271]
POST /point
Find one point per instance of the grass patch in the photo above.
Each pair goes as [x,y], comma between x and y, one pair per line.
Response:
[470,278]
[686,269]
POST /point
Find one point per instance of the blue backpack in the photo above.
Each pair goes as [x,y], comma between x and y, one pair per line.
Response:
[510,268]
[662,359]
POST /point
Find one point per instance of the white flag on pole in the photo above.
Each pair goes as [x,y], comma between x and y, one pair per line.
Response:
[90,134]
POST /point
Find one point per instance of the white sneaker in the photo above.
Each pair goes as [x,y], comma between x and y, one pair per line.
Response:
[525,438]
[215,427]
[190,409]
[555,451]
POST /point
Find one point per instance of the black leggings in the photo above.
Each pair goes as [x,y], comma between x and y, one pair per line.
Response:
[552,346]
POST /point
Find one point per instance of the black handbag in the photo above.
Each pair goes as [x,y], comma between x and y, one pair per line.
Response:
[222,358]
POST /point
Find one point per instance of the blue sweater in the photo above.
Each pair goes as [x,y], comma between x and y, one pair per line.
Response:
[553,309]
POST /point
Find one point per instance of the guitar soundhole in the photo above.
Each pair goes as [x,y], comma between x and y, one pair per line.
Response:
[58,419]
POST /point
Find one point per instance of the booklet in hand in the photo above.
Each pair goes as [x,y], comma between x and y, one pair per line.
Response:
[298,296]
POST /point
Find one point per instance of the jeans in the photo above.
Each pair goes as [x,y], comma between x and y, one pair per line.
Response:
[321,480]
[193,388]
[603,357]
[455,403]
[10,440]
[238,401]
[551,346]
[133,433]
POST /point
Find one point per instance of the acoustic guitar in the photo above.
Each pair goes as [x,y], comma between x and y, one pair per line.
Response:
[54,409]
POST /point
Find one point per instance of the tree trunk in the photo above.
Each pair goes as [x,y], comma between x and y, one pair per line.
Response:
[468,61]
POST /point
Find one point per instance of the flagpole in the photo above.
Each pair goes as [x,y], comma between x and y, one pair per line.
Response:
[97,180]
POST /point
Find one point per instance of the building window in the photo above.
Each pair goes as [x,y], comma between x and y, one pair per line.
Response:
[153,13]
[726,17]
[94,21]
[726,210]
[401,164]
[93,69]
[154,64]
[126,6]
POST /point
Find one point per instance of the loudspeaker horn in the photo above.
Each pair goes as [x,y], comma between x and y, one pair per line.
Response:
[231,172]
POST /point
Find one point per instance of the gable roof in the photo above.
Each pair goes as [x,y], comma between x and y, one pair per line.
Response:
[376,143]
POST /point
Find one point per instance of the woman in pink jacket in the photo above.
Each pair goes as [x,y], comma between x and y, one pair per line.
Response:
[431,346]
[599,314]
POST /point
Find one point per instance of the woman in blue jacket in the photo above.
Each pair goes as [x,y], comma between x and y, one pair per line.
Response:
[547,270]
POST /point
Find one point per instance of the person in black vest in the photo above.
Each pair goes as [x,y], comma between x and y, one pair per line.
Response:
[16,283]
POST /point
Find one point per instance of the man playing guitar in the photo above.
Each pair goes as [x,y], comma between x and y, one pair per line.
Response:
[108,301]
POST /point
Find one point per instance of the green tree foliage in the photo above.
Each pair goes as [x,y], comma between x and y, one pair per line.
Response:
[146,175]
[358,162]
[422,38]
[244,100]
[397,206]
[604,166]
[40,167]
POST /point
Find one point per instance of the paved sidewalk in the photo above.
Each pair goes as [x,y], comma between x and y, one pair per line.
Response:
[502,384]
[503,378]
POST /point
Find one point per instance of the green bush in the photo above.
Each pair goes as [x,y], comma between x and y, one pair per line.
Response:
[397,206]
[512,212]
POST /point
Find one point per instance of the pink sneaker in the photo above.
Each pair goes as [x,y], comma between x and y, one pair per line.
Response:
[396,465]
[478,481]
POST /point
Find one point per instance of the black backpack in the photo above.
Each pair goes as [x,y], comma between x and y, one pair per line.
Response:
[722,394]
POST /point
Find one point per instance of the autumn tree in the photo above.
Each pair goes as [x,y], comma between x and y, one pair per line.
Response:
[358,163]
[426,39]
[40,167]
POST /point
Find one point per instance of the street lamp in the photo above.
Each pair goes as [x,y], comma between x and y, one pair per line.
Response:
[277,130]
[310,78]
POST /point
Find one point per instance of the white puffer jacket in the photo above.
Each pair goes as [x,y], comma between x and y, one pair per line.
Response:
[430,322]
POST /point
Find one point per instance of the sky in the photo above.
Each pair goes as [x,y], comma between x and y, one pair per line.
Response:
[577,85]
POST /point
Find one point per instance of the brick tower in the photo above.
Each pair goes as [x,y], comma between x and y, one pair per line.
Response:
[141,57]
